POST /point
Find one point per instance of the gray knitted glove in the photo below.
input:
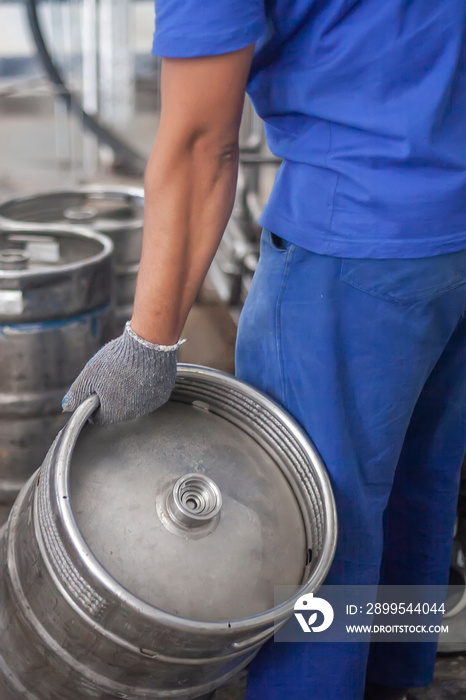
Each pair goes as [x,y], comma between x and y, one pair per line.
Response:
[130,376]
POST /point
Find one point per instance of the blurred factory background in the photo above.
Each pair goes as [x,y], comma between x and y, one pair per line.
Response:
[79,104]
[79,101]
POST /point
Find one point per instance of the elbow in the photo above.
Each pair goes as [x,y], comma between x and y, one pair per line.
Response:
[198,145]
[210,156]
[219,148]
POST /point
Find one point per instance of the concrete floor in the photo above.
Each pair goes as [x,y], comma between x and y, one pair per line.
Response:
[449,682]
[29,164]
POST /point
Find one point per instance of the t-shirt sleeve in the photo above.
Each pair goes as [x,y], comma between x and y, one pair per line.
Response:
[187,28]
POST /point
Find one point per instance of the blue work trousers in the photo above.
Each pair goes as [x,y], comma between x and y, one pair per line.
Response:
[370,357]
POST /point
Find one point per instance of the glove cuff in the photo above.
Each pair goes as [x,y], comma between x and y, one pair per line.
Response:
[147,344]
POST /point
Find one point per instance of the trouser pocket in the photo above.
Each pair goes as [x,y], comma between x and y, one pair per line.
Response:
[406,280]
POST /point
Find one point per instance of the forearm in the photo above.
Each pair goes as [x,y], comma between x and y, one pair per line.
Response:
[189,188]
[189,193]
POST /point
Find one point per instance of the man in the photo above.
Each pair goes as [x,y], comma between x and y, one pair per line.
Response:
[356,316]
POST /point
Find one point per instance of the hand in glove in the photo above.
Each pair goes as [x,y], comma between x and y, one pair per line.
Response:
[130,376]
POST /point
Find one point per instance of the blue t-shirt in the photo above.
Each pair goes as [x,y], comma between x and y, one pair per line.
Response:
[365,101]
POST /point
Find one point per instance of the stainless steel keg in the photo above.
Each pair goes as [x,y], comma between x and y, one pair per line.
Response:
[140,562]
[55,313]
[454,641]
[115,211]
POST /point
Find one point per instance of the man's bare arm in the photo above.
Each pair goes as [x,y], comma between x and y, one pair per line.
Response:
[189,187]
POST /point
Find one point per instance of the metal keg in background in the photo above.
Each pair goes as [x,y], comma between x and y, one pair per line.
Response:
[454,641]
[55,313]
[141,561]
[115,211]
[455,604]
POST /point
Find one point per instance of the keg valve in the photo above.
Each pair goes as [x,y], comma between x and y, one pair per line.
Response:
[13,259]
[194,501]
[80,214]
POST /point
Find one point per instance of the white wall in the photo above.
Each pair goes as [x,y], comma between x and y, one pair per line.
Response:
[15,41]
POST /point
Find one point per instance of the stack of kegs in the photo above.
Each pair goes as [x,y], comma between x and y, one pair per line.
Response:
[116,212]
[56,311]
[68,268]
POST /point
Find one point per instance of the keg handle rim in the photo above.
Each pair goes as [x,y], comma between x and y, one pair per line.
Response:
[85,411]
[102,580]
[94,405]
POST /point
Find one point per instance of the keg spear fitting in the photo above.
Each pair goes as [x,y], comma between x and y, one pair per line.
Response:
[13,259]
[194,501]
